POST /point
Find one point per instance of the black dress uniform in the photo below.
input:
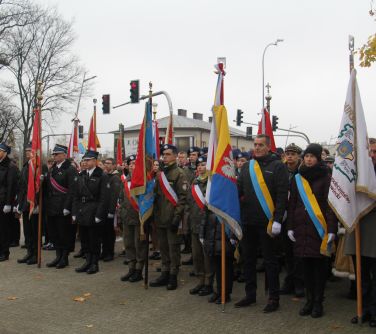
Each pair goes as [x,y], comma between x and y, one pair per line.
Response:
[29,223]
[59,198]
[90,208]
[8,188]
[108,233]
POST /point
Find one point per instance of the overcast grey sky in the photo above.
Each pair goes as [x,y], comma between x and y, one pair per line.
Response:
[175,44]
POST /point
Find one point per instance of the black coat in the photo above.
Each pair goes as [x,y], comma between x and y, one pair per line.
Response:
[307,238]
[23,204]
[91,197]
[277,180]
[9,176]
[57,201]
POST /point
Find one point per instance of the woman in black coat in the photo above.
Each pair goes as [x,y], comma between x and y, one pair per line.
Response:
[302,231]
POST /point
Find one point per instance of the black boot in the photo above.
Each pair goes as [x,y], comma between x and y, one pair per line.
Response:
[86,264]
[317,310]
[161,280]
[126,277]
[94,268]
[308,306]
[28,255]
[172,282]
[57,259]
[32,260]
[196,289]
[206,291]
[63,261]
[136,277]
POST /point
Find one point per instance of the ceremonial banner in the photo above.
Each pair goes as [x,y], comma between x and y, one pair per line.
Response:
[352,191]
[222,192]
[35,163]
[268,129]
[119,150]
[142,183]
[73,151]
[169,131]
[93,141]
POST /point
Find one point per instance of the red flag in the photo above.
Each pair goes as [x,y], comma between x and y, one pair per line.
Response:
[119,151]
[268,130]
[35,163]
[93,141]
[169,131]
[73,142]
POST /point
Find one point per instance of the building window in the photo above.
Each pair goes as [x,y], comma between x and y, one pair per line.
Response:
[203,144]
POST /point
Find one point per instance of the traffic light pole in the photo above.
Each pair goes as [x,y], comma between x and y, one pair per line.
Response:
[301,134]
[144,97]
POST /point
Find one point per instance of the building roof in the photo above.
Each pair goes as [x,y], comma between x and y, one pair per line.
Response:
[182,122]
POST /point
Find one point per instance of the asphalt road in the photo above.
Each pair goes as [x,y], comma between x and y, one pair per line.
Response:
[36,300]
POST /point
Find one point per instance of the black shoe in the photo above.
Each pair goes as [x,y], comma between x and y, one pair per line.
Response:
[136,277]
[126,262]
[93,269]
[63,261]
[25,258]
[23,246]
[372,321]
[161,280]
[306,309]
[108,258]
[126,277]
[271,306]
[317,310]
[246,301]
[196,289]
[32,260]
[187,262]
[172,282]
[241,278]
[219,300]
[205,291]
[4,258]
[192,273]
[122,253]
[213,298]
[79,254]
[365,318]
[299,292]
[85,265]
[57,259]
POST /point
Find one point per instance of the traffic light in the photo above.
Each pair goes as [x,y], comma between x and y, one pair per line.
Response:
[248,133]
[81,131]
[106,103]
[275,123]
[239,117]
[135,91]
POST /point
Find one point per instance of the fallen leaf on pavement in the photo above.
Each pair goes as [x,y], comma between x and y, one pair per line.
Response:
[335,327]
[295,299]
[87,294]
[79,299]
[12,298]
[89,326]
[123,303]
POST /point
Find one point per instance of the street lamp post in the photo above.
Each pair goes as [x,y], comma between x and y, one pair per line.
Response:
[263,80]
[82,86]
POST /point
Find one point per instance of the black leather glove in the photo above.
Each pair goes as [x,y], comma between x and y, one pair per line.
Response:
[174,227]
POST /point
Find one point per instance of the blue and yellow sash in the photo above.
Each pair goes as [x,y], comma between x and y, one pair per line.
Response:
[314,213]
[262,192]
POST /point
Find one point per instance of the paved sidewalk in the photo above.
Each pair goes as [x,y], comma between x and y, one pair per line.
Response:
[36,300]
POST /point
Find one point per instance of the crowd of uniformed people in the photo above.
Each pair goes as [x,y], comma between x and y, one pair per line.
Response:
[92,202]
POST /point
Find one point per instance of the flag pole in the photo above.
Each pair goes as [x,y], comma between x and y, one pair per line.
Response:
[40,201]
[359,298]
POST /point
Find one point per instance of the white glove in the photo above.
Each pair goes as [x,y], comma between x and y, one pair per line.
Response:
[41,177]
[233,242]
[7,208]
[341,231]
[97,220]
[15,209]
[110,215]
[74,218]
[331,237]
[276,228]
[66,212]
[36,210]
[290,234]
[202,241]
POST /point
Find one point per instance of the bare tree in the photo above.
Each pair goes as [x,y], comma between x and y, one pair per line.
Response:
[9,119]
[43,52]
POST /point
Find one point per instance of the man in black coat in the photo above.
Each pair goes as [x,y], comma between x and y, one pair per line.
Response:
[29,223]
[255,221]
[59,198]
[108,235]
[8,189]
[90,210]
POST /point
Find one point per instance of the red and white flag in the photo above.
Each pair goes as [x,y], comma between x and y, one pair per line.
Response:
[268,129]
[93,141]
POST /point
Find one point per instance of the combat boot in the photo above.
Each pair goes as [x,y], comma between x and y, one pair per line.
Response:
[32,260]
[172,282]
[196,289]
[206,291]
[308,306]
[57,259]
[161,280]
[94,268]
[63,261]
[136,277]
[28,255]
[86,264]
[126,277]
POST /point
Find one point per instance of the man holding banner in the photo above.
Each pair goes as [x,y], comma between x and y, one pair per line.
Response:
[263,186]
